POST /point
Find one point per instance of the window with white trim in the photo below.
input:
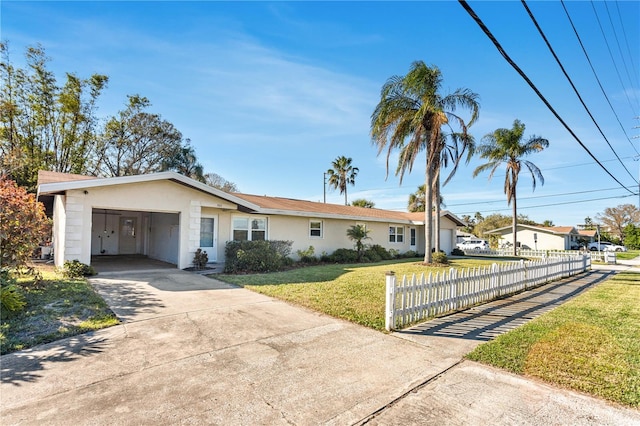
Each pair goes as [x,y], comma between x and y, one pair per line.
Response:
[249,229]
[315,229]
[396,234]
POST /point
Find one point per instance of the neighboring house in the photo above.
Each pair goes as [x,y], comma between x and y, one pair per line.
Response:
[541,237]
[167,216]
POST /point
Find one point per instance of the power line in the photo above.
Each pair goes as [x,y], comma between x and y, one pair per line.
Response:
[564,71]
[615,35]
[551,205]
[596,76]
[484,28]
[535,197]
[626,40]
[624,89]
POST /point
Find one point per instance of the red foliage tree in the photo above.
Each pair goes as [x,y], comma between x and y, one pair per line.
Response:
[23,224]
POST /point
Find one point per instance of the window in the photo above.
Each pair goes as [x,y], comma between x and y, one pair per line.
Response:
[315,229]
[412,237]
[396,234]
[249,229]
[206,232]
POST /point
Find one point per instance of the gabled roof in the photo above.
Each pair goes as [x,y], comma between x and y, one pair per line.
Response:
[587,232]
[555,230]
[60,186]
[294,207]
[45,176]
[53,183]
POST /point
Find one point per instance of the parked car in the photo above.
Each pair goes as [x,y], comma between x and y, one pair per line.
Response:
[473,244]
[605,246]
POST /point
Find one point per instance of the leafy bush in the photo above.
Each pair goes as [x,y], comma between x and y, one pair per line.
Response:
[200,259]
[440,258]
[77,269]
[378,252]
[23,224]
[11,299]
[308,255]
[344,255]
[408,254]
[257,256]
[457,252]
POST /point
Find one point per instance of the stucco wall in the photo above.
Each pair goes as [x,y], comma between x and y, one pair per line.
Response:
[156,196]
[296,229]
[545,240]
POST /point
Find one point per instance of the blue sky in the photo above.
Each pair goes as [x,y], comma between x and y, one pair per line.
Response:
[270,93]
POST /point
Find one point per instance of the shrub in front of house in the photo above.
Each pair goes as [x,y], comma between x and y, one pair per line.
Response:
[440,258]
[308,255]
[76,269]
[376,253]
[257,256]
[200,259]
[11,298]
[344,255]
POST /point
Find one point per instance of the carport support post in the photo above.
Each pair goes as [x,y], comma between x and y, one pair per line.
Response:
[390,300]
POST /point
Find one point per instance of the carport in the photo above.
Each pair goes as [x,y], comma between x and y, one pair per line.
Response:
[155,235]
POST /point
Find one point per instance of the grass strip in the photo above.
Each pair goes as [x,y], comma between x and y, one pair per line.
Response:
[56,308]
[589,344]
[351,292]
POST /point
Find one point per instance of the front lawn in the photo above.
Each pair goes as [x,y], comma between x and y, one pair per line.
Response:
[590,344]
[352,292]
[56,308]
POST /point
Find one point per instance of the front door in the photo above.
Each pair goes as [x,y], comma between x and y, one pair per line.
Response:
[127,240]
[208,237]
[412,239]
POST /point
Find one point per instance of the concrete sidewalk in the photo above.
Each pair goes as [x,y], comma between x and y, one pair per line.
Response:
[194,350]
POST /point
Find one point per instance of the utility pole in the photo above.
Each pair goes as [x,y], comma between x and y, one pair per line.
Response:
[324,189]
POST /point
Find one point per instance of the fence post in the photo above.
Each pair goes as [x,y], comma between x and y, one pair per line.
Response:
[390,300]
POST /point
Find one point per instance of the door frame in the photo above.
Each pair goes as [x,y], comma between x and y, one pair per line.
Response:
[413,235]
[212,252]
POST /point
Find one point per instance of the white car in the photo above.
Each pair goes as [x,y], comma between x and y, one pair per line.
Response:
[473,244]
[605,246]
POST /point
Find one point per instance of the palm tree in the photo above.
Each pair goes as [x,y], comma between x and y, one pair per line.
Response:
[358,233]
[505,146]
[410,117]
[342,174]
[363,202]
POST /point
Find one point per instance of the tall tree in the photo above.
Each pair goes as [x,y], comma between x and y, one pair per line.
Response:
[217,181]
[506,147]
[341,174]
[186,163]
[417,200]
[410,118]
[615,219]
[137,142]
[363,202]
[45,126]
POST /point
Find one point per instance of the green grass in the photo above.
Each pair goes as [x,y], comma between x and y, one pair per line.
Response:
[626,255]
[351,292]
[56,308]
[590,344]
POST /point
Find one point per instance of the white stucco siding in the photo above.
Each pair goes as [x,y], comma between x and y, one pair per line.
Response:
[164,239]
[154,196]
[545,240]
[77,231]
[59,237]
[334,234]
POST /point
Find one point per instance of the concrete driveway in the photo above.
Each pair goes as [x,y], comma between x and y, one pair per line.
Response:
[192,350]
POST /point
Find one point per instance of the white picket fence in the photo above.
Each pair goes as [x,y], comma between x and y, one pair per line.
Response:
[599,256]
[415,299]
